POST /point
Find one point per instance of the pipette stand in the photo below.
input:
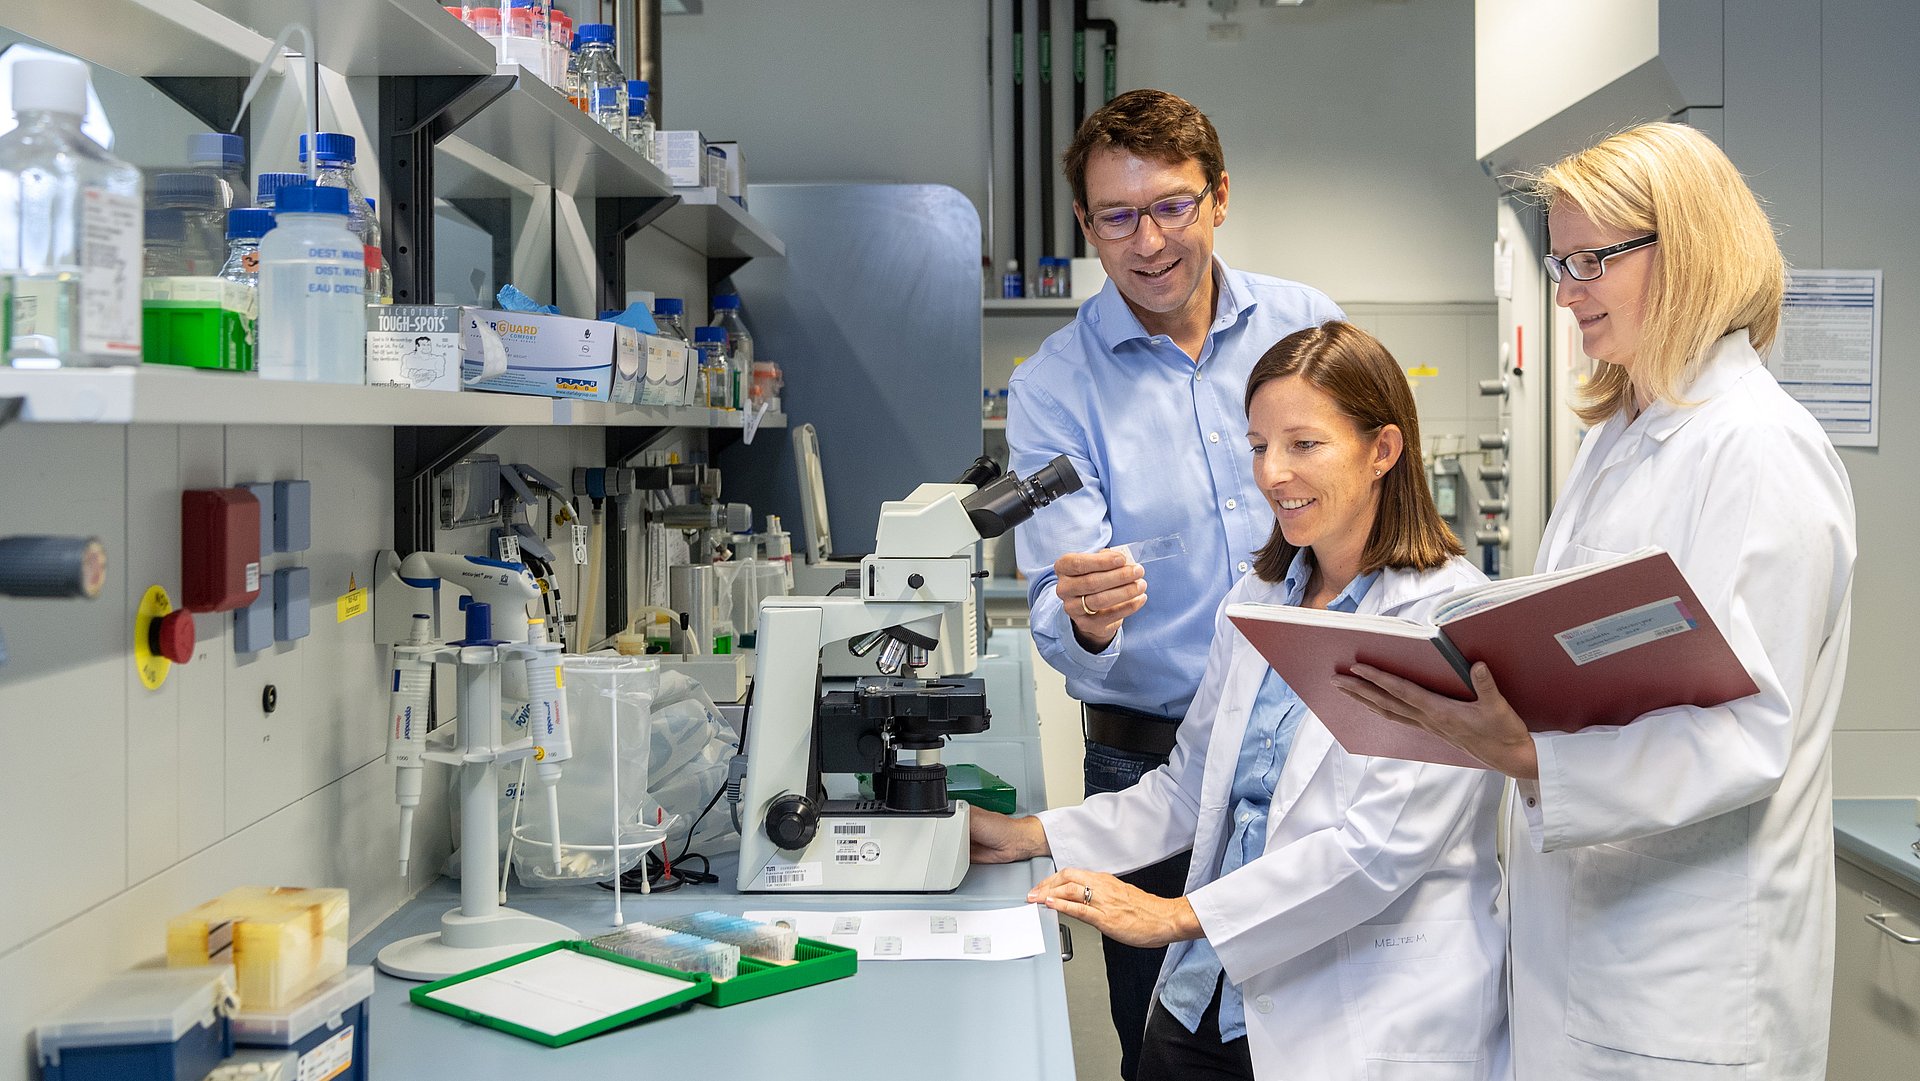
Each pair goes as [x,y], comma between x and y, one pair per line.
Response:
[481,930]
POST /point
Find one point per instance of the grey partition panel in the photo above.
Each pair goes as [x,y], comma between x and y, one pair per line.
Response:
[874,317]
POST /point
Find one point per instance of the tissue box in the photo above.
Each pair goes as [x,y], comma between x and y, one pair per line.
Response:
[669,372]
[683,157]
[282,942]
[736,188]
[551,355]
[413,346]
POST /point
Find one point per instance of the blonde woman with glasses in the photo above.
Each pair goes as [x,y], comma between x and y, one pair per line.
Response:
[1672,898]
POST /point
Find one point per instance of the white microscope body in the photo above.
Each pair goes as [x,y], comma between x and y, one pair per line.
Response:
[792,837]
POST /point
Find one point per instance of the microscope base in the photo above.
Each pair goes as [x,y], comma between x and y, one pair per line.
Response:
[863,852]
[483,940]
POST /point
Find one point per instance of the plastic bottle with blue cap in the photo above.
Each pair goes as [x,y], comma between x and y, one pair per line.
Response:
[312,290]
[222,155]
[334,169]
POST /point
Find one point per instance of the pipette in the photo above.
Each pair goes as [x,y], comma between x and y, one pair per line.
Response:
[407,736]
[547,722]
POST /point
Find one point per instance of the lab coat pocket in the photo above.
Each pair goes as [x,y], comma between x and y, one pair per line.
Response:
[1418,994]
[1660,958]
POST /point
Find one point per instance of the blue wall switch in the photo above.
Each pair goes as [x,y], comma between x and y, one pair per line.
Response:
[263,491]
[292,620]
[292,515]
[253,625]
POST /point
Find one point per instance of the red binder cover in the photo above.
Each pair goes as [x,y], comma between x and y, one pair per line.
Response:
[1602,644]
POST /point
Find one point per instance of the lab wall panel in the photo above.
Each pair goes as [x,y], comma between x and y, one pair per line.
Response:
[153,717]
[267,761]
[351,471]
[201,775]
[1870,146]
[63,689]
[1771,123]
[1869,764]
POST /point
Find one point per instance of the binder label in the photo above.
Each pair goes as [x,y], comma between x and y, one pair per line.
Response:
[1622,631]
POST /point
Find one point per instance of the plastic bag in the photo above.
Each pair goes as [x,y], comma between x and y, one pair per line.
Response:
[691,746]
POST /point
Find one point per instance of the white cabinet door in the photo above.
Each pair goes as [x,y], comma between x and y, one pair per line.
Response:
[1876,981]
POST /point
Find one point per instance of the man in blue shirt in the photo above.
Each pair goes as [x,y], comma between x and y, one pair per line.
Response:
[1143,392]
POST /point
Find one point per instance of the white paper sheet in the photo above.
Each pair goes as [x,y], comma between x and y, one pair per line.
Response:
[918,934]
[560,991]
[1828,352]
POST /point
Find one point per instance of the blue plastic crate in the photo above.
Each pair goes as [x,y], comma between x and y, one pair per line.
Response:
[162,1024]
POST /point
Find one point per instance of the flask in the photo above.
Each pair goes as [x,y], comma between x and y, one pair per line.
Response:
[166,244]
[334,163]
[267,187]
[312,286]
[639,121]
[716,375]
[1011,285]
[598,70]
[986,404]
[223,157]
[201,201]
[245,227]
[70,227]
[667,315]
[379,274]
[726,316]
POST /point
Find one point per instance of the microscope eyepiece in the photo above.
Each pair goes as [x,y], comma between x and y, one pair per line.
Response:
[1010,500]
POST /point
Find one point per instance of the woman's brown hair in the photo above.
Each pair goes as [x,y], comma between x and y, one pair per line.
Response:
[1366,384]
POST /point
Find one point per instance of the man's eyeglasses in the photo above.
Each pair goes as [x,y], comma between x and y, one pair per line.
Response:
[1590,263]
[1120,222]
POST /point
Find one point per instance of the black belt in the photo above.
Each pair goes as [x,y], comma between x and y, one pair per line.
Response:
[1129,729]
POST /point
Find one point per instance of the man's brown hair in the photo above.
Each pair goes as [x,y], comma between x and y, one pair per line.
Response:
[1147,124]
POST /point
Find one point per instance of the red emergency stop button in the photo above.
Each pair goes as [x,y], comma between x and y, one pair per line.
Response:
[171,636]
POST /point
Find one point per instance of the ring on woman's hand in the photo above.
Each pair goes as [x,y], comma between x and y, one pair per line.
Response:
[1086,895]
[1084,607]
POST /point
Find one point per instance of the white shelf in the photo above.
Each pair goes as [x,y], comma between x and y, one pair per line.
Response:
[993,424]
[162,395]
[148,37]
[1033,306]
[363,37]
[709,222]
[537,133]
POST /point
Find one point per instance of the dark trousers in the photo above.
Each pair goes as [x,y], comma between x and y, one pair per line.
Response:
[1131,971]
[1172,1053]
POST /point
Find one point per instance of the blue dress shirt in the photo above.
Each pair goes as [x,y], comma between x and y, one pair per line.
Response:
[1276,716]
[1159,440]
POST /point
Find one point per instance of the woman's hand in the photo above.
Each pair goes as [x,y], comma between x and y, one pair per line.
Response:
[1486,728]
[996,838]
[1119,911]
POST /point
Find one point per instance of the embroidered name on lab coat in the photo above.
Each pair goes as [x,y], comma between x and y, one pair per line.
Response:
[1415,941]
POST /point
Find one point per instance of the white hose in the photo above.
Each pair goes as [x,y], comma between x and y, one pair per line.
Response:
[590,603]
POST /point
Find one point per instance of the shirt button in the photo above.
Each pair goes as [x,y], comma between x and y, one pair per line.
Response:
[1266,743]
[1232,503]
[1213,437]
[1202,376]
[1243,566]
[1531,802]
[1263,1003]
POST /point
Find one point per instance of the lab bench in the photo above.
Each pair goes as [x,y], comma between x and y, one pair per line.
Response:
[1876,964]
[926,1019]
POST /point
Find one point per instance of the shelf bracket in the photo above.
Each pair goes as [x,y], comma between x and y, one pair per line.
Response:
[419,454]
[416,112]
[11,408]
[614,220]
[214,100]
[720,268]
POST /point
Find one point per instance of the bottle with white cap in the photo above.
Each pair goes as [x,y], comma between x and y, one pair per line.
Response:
[70,227]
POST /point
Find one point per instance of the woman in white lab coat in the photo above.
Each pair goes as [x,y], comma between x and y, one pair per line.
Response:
[1339,908]
[1672,879]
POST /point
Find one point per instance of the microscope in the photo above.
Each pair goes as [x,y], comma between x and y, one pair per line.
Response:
[910,837]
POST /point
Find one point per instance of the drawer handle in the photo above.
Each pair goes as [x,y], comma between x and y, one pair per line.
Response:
[1879,921]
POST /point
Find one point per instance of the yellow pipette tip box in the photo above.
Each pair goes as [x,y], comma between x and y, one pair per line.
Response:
[281,941]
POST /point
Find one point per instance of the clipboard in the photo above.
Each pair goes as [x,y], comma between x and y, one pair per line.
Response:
[562,993]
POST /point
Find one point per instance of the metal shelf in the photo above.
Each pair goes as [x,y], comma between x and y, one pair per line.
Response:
[147,38]
[709,222]
[163,395]
[537,133]
[362,37]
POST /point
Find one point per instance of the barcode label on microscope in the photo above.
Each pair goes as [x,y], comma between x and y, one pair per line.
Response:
[845,829]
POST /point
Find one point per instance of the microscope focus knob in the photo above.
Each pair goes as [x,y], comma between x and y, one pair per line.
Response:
[791,822]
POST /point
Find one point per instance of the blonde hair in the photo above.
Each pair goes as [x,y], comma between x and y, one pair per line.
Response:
[1717,268]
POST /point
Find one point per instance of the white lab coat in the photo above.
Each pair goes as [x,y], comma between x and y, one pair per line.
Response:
[1366,939]
[1672,880]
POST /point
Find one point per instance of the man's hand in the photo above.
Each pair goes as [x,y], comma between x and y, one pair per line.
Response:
[996,838]
[1120,912]
[1098,590]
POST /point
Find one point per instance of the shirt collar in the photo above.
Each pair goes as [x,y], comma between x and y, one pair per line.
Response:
[1727,362]
[1294,584]
[1115,324]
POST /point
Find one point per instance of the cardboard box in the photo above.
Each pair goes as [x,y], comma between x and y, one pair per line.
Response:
[198,323]
[683,157]
[669,372]
[414,346]
[736,186]
[549,355]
